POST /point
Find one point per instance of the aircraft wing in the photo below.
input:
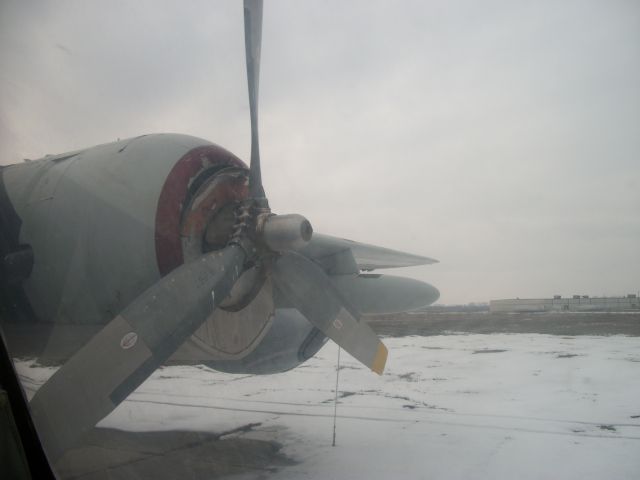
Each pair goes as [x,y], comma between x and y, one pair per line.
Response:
[342,256]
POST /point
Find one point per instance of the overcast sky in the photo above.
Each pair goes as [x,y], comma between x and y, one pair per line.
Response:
[500,137]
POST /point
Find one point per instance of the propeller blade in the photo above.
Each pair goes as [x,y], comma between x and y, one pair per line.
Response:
[252,43]
[131,347]
[311,291]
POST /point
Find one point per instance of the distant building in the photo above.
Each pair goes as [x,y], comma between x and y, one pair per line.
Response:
[577,303]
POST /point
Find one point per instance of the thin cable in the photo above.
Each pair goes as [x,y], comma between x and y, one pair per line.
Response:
[335,403]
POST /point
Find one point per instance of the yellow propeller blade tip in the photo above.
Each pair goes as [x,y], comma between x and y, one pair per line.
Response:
[380,359]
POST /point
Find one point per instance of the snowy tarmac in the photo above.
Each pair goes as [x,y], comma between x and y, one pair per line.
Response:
[460,406]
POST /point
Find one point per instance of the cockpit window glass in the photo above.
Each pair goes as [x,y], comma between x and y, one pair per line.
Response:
[323,240]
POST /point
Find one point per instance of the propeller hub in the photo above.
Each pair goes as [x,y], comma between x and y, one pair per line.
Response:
[285,232]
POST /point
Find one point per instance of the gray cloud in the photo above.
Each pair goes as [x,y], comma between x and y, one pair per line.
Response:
[500,137]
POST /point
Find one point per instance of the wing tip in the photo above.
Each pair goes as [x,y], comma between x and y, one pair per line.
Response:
[428,260]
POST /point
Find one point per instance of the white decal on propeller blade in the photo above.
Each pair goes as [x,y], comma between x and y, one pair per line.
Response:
[129,340]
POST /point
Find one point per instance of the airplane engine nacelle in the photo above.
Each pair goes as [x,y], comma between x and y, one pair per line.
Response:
[289,341]
[105,223]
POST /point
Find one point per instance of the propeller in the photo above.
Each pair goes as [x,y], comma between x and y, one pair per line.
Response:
[303,282]
[309,289]
[143,336]
[252,44]
[131,347]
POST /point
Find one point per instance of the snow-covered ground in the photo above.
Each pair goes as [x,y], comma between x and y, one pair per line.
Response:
[448,407]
